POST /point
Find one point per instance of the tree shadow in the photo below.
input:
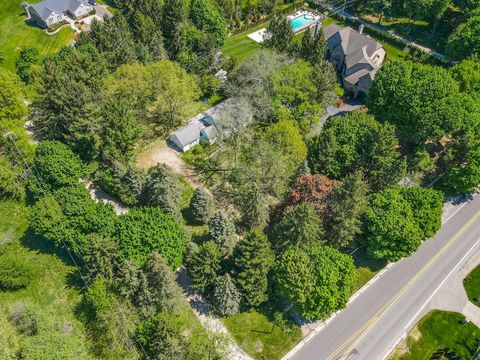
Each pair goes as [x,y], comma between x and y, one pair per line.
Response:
[40,244]
[362,259]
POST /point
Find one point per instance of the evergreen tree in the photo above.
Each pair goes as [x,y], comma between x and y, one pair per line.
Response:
[167,293]
[163,189]
[300,225]
[173,19]
[100,256]
[26,59]
[253,259]
[349,203]
[313,48]
[280,35]
[226,298]
[221,230]
[201,205]
[204,265]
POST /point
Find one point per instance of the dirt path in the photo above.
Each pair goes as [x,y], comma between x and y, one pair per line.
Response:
[202,310]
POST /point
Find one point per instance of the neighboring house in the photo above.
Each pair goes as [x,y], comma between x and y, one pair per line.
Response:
[193,133]
[49,12]
[355,56]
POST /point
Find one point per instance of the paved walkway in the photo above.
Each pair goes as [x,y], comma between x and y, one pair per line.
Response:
[379,28]
[331,111]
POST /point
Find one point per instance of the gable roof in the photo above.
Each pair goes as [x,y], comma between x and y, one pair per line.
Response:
[188,133]
[45,8]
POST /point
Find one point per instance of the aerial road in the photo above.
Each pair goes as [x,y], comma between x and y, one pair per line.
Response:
[375,320]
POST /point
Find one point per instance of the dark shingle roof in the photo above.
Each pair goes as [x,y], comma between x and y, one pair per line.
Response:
[46,7]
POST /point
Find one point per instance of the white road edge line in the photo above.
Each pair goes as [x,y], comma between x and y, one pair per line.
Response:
[324,323]
[460,262]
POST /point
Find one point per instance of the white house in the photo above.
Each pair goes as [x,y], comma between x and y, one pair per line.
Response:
[49,12]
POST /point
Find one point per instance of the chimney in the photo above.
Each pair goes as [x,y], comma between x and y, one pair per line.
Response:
[318,25]
[360,28]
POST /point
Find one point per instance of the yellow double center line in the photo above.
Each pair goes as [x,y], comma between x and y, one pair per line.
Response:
[365,328]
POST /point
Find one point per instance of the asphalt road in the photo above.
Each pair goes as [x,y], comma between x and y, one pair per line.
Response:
[375,320]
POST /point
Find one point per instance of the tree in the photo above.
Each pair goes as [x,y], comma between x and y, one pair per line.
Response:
[205,16]
[161,337]
[26,59]
[349,203]
[52,345]
[416,98]
[163,189]
[295,95]
[15,273]
[300,226]
[310,189]
[253,260]
[149,36]
[467,74]
[173,16]
[161,280]
[391,229]
[221,230]
[313,48]
[251,81]
[121,134]
[100,256]
[55,166]
[464,42]
[201,205]
[225,298]
[203,266]
[285,135]
[357,142]
[280,35]
[12,109]
[146,229]
[427,205]
[318,280]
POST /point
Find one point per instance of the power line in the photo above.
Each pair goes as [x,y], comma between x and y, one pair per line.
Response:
[126,339]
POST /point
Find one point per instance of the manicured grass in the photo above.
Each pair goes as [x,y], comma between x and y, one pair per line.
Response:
[241,46]
[15,34]
[438,333]
[52,295]
[253,332]
[472,285]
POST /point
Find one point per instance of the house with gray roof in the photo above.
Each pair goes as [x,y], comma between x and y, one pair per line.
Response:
[49,12]
[355,56]
[193,133]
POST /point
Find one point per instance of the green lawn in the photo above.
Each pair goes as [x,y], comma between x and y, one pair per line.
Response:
[51,295]
[472,285]
[253,333]
[240,46]
[441,333]
[15,34]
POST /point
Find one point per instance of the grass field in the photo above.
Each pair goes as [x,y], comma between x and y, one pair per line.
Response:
[472,285]
[15,34]
[51,295]
[253,332]
[440,333]
[241,46]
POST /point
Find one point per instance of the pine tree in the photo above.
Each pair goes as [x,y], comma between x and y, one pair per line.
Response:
[313,49]
[226,298]
[348,206]
[204,265]
[201,205]
[163,189]
[168,295]
[300,225]
[222,231]
[172,20]
[253,260]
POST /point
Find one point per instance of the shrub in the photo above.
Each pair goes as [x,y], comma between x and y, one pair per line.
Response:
[25,320]
[147,229]
[15,273]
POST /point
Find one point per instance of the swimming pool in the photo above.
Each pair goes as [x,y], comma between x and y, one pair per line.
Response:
[301,21]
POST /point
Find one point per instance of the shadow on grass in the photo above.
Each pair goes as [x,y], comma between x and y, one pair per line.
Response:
[45,246]
[362,259]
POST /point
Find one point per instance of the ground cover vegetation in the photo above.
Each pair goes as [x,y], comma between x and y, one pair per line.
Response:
[441,334]
[279,211]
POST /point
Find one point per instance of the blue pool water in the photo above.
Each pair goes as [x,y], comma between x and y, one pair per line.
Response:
[301,21]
